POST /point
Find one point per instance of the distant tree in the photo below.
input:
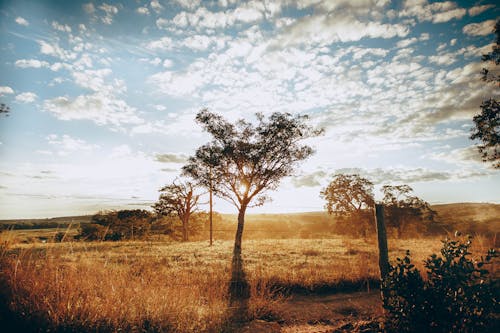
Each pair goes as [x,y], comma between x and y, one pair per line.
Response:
[247,159]
[117,225]
[178,199]
[350,197]
[4,109]
[405,211]
[487,123]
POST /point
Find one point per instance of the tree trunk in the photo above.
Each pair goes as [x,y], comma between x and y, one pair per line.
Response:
[239,290]
[239,230]
[185,230]
[211,207]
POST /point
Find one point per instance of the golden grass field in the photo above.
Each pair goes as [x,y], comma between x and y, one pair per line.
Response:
[182,287]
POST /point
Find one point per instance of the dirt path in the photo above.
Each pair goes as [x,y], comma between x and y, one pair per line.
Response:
[341,312]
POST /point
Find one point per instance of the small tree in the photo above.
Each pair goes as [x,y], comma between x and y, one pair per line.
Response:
[246,159]
[178,199]
[404,210]
[487,123]
[351,198]
[117,225]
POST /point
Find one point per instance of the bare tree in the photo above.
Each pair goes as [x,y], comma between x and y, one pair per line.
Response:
[178,199]
[247,159]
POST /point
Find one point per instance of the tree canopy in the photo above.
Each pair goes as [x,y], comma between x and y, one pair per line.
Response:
[247,159]
[405,211]
[243,160]
[347,194]
[350,198]
[4,109]
[487,122]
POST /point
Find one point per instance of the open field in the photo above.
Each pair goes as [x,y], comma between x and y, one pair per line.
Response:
[182,287]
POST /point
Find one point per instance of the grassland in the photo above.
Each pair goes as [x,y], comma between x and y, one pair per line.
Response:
[181,287]
[160,285]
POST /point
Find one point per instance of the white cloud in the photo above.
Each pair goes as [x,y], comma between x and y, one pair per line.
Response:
[443,59]
[437,12]
[101,108]
[61,27]
[53,49]
[202,18]
[143,10]
[31,63]
[22,21]
[476,10]
[26,97]
[167,63]
[188,4]
[5,90]
[89,8]
[457,13]
[65,144]
[162,44]
[406,42]
[157,7]
[479,29]
[109,12]
[327,29]
[467,155]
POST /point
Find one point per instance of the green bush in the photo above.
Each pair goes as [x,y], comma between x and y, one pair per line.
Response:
[457,296]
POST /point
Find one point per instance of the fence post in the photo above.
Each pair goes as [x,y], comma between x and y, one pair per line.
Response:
[383,253]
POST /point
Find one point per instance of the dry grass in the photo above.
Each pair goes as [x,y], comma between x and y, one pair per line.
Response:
[178,287]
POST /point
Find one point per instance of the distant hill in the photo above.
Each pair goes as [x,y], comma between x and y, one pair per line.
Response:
[465,217]
[53,222]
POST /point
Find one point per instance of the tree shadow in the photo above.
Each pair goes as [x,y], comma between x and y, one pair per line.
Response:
[239,291]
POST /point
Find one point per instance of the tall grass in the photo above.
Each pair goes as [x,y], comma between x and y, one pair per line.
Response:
[158,287]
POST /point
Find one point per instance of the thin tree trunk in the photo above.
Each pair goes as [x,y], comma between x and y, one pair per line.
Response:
[185,231]
[211,205]
[239,230]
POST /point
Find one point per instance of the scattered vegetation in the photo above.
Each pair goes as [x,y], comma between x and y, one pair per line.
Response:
[457,295]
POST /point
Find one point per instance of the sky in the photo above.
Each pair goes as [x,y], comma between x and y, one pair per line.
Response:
[103,95]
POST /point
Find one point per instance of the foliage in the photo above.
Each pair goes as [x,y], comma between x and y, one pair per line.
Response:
[406,212]
[244,160]
[4,109]
[487,130]
[178,199]
[487,123]
[350,197]
[117,225]
[458,295]
[347,194]
[492,57]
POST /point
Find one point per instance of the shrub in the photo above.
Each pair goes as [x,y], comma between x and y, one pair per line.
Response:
[457,296]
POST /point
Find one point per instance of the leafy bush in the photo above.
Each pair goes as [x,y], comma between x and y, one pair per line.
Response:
[457,296]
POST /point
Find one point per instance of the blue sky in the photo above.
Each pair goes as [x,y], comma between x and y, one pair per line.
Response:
[103,95]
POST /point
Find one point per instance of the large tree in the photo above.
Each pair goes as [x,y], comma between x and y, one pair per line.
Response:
[405,211]
[350,197]
[178,199]
[247,159]
[487,123]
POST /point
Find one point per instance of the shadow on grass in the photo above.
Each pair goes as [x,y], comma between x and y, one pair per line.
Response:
[239,292]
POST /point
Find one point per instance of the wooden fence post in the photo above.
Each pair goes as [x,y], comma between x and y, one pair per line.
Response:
[383,253]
